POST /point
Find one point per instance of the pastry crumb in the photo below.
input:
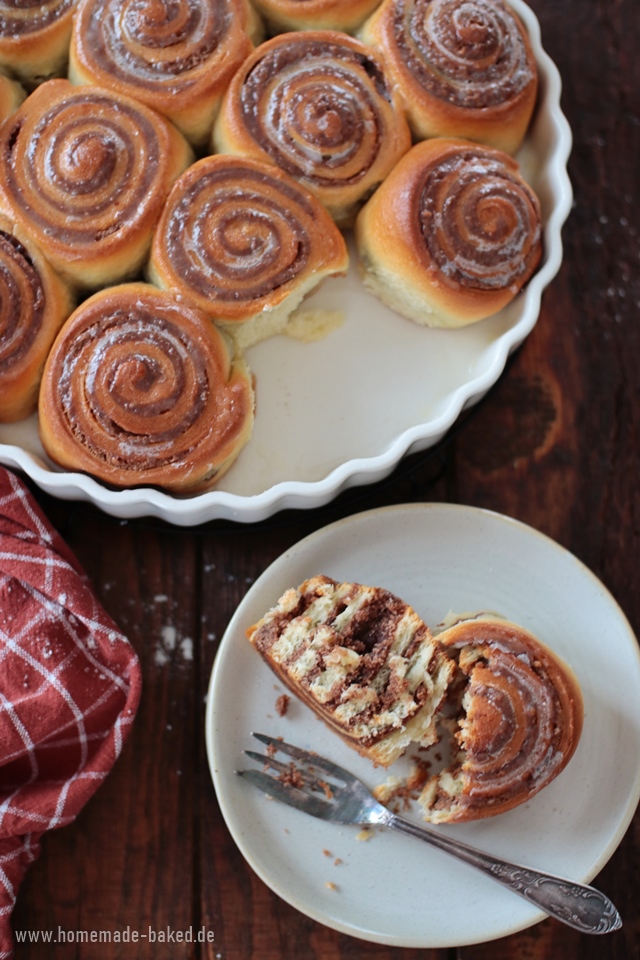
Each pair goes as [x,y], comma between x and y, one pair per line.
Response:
[397,793]
[330,885]
[364,834]
[282,704]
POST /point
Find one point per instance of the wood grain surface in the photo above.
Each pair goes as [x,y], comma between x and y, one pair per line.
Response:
[556,444]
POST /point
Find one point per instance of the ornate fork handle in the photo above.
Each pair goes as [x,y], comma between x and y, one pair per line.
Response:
[581,907]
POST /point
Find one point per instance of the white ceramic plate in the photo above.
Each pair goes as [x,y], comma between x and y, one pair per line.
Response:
[345,410]
[390,889]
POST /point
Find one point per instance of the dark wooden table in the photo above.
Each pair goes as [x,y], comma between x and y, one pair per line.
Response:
[555,444]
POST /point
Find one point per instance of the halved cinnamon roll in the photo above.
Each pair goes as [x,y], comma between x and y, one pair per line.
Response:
[521,721]
[245,242]
[320,106]
[34,303]
[140,388]
[452,234]
[362,659]
[370,668]
[85,173]
[176,56]
[465,68]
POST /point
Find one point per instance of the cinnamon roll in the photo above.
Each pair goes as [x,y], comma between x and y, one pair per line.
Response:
[34,38]
[140,388]
[284,15]
[176,56]
[85,173]
[521,723]
[452,234]
[245,242]
[465,68]
[319,105]
[361,659]
[34,304]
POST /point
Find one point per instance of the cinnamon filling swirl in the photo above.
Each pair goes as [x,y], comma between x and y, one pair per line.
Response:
[83,173]
[154,42]
[470,53]
[140,387]
[313,106]
[520,721]
[30,16]
[130,386]
[479,222]
[22,302]
[235,234]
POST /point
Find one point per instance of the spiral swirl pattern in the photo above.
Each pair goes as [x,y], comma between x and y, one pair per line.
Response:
[235,234]
[23,17]
[86,173]
[240,237]
[140,389]
[319,106]
[523,715]
[22,303]
[479,221]
[161,48]
[470,53]
[82,172]
[152,42]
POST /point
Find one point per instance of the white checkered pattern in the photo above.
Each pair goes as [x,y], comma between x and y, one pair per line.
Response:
[69,689]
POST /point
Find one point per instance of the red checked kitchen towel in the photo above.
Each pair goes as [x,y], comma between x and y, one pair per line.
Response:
[69,689]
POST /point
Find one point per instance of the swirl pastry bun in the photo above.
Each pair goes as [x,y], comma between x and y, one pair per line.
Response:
[34,39]
[285,15]
[369,667]
[465,68]
[319,105]
[363,661]
[245,242]
[85,173]
[176,57]
[522,721]
[140,388]
[452,234]
[34,303]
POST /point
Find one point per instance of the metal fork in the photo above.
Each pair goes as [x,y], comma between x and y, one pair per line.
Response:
[319,787]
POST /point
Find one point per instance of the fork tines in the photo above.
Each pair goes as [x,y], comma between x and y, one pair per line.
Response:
[300,783]
[313,763]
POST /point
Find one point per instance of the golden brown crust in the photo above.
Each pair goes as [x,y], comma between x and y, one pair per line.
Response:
[319,105]
[12,95]
[140,388]
[452,234]
[175,57]
[34,39]
[85,173]
[285,15]
[465,68]
[244,241]
[34,303]
[523,720]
